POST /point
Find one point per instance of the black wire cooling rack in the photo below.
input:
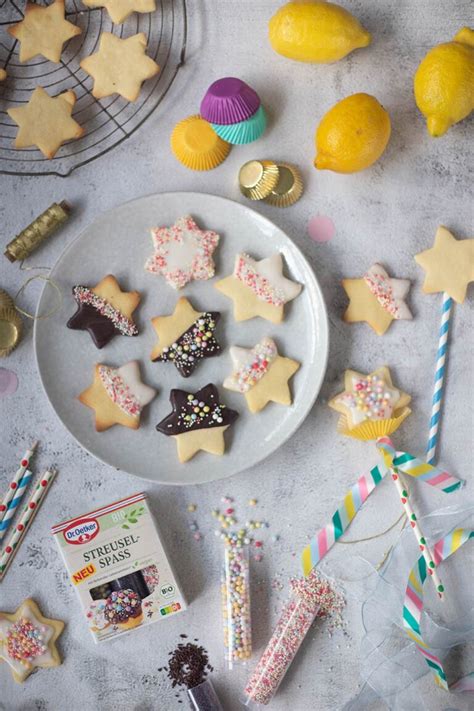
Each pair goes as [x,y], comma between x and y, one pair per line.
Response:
[107,122]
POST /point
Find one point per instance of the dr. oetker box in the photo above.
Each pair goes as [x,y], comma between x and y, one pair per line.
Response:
[119,568]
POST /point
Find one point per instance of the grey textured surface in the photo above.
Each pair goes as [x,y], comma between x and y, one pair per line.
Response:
[387,213]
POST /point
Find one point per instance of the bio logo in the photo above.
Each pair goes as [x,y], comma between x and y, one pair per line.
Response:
[81,531]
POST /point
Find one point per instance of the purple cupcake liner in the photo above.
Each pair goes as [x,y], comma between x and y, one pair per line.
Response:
[228,101]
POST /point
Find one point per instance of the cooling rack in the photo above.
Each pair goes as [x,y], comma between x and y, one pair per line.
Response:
[107,122]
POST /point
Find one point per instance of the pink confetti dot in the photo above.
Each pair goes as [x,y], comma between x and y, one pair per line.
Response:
[321,228]
[8,382]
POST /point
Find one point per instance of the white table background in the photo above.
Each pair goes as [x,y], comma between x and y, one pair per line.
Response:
[387,213]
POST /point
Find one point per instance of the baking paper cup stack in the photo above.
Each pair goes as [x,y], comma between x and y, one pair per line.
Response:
[234,111]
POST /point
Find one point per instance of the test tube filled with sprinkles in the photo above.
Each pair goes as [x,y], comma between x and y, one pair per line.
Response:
[236,603]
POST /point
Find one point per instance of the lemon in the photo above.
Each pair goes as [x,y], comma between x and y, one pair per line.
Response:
[444,83]
[312,31]
[352,135]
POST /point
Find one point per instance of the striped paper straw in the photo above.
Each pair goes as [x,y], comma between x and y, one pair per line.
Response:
[413,521]
[437,401]
[14,503]
[10,493]
[25,521]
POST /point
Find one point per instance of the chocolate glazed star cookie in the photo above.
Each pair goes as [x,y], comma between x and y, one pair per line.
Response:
[197,421]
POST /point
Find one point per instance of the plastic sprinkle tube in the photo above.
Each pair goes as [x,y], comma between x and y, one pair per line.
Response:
[236,605]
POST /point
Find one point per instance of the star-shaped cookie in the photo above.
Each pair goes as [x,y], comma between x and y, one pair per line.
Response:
[182,252]
[46,121]
[117,395]
[197,422]
[186,337]
[120,66]
[377,299]
[43,31]
[261,375]
[104,311]
[3,75]
[448,265]
[259,288]
[28,640]
[119,10]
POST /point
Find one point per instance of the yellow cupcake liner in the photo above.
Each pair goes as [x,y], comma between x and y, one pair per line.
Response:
[257,178]
[289,188]
[196,145]
[372,429]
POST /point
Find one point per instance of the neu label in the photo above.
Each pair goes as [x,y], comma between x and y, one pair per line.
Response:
[81,531]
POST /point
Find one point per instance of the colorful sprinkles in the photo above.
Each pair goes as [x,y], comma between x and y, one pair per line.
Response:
[262,356]
[380,286]
[25,641]
[119,392]
[193,345]
[246,271]
[371,399]
[84,295]
[121,605]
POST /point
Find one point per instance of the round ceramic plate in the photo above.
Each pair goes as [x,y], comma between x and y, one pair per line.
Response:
[119,243]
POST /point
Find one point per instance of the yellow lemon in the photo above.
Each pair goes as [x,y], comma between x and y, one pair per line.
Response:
[313,31]
[352,135]
[444,83]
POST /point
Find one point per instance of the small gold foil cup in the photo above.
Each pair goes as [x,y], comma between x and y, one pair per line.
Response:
[289,188]
[373,429]
[257,179]
[10,325]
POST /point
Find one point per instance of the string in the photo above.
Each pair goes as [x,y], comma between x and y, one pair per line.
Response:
[375,535]
[49,281]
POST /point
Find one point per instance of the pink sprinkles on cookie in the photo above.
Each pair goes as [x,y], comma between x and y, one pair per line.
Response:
[246,272]
[379,284]
[119,392]
[25,641]
[263,356]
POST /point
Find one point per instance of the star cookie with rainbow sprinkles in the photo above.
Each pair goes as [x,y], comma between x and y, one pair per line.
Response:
[370,405]
[117,395]
[258,288]
[183,252]
[261,375]
[377,299]
[197,422]
[28,640]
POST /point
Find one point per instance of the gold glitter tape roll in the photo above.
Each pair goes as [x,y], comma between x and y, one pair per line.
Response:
[37,232]
[10,325]
[257,178]
[289,188]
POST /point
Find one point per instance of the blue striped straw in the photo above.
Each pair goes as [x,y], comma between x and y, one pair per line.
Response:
[439,378]
[13,504]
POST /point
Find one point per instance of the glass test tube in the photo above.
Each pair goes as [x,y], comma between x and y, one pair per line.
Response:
[204,698]
[236,604]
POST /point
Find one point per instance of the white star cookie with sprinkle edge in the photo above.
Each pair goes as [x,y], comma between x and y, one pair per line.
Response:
[261,375]
[120,66]
[377,299]
[117,395]
[448,265]
[46,121]
[43,31]
[183,252]
[258,288]
[28,640]
[119,10]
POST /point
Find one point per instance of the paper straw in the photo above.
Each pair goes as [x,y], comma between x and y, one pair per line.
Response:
[437,401]
[14,503]
[413,521]
[29,512]
[16,480]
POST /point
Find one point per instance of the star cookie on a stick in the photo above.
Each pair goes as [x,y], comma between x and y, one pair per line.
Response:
[182,252]
[119,10]
[376,299]
[104,311]
[261,375]
[28,640]
[186,337]
[43,31]
[46,121]
[197,422]
[448,265]
[117,396]
[120,66]
[259,288]
[370,405]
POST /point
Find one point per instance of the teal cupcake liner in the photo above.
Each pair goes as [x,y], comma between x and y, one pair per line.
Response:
[245,131]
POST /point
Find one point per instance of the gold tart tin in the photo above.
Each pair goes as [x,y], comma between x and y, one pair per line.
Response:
[10,325]
[289,188]
[257,179]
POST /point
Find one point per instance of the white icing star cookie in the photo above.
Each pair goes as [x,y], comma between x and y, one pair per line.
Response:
[259,288]
[182,252]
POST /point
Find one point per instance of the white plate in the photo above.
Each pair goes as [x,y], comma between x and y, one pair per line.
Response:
[118,243]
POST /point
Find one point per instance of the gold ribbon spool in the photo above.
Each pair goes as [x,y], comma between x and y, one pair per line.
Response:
[37,232]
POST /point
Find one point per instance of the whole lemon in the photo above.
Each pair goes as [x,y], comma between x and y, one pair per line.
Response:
[352,135]
[313,31]
[444,83]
